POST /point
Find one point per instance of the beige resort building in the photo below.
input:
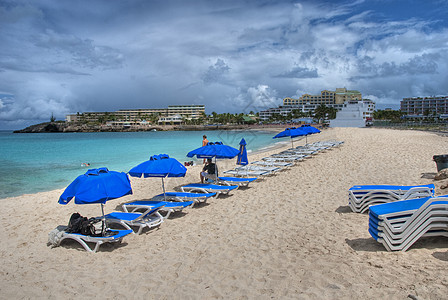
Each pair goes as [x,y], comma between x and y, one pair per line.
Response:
[174,114]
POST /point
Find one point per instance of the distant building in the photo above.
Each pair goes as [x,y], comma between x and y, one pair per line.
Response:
[424,106]
[169,115]
[308,103]
[328,98]
[170,120]
[354,114]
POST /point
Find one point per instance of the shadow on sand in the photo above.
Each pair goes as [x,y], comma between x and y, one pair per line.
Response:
[344,210]
[365,244]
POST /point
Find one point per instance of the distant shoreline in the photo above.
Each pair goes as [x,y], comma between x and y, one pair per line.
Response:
[63,127]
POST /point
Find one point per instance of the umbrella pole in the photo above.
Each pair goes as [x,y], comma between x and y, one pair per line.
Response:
[163,187]
[216,171]
[103,221]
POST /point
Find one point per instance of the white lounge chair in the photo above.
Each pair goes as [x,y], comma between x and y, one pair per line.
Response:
[208,188]
[291,156]
[235,180]
[111,236]
[398,225]
[247,173]
[185,196]
[272,163]
[282,158]
[167,206]
[259,168]
[360,197]
[149,219]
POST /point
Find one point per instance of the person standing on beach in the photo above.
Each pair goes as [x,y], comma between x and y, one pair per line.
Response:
[204,143]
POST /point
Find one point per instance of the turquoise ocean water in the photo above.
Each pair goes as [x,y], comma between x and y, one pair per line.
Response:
[36,162]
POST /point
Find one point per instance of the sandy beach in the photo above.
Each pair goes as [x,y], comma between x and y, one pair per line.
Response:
[288,236]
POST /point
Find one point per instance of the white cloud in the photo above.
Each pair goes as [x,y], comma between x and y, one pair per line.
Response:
[257,98]
[106,56]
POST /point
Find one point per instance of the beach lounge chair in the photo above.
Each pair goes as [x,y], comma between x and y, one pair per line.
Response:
[247,173]
[235,180]
[272,163]
[184,196]
[360,197]
[398,225]
[282,158]
[290,156]
[112,236]
[307,151]
[168,206]
[330,143]
[149,219]
[208,188]
[259,168]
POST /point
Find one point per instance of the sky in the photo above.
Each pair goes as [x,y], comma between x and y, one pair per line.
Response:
[63,57]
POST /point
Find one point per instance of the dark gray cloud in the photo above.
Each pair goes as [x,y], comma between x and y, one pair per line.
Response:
[62,57]
[216,72]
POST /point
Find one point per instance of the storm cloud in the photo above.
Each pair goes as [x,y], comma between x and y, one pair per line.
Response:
[61,57]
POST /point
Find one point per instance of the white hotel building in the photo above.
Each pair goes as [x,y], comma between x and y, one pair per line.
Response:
[308,103]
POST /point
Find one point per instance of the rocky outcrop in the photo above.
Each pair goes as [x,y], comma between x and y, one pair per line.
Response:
[78,127]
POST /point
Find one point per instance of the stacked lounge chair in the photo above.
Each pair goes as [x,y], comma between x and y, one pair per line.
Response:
[398,225]
[361,197]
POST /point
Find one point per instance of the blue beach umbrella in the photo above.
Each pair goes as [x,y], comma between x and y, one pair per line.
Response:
[242,155]
[308,128]
[97,186]
[214,150]
[292,133]
[159,166]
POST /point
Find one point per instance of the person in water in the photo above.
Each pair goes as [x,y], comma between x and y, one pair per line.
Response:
[204,143]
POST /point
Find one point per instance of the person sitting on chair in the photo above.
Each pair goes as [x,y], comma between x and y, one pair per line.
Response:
[209,171]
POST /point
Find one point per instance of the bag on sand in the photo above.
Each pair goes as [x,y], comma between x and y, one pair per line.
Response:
[82,225]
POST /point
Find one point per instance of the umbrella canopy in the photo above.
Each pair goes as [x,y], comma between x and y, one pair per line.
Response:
[159,166]
[242,155]
[97,186]
[292,133]
[216,150]
[308,128]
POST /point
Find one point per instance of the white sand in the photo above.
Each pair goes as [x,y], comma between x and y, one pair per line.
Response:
[291,235]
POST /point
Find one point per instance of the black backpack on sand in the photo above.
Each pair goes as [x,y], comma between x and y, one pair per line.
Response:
[82,225]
